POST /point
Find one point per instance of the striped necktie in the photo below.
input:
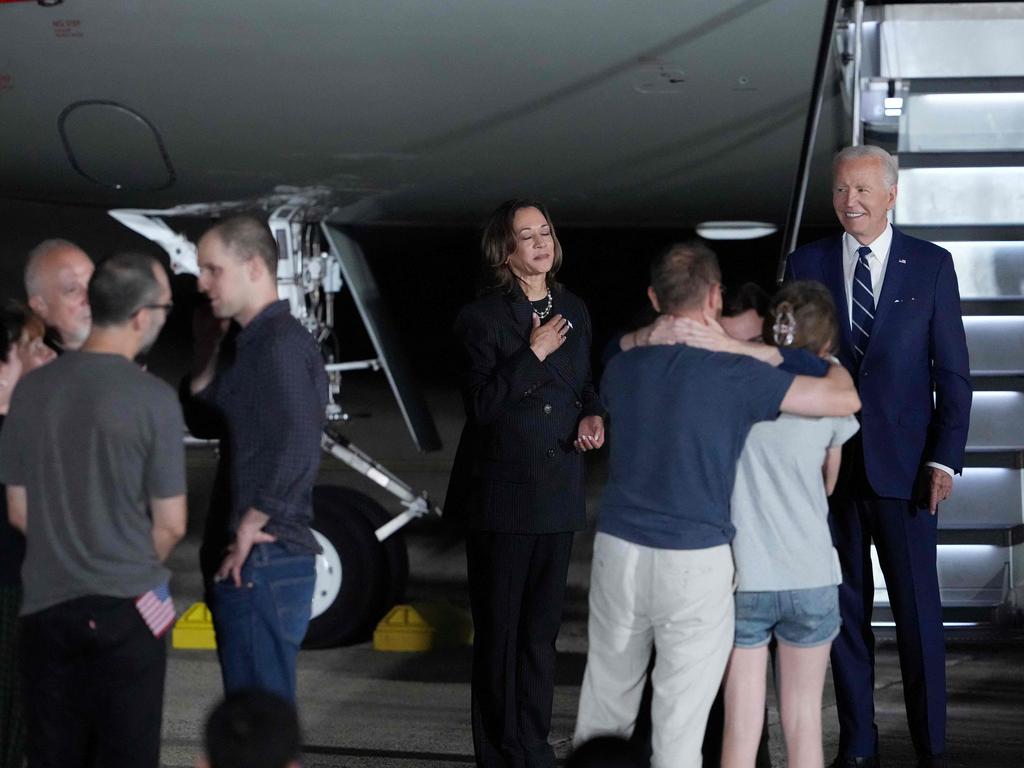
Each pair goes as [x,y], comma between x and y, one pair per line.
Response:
[863,313]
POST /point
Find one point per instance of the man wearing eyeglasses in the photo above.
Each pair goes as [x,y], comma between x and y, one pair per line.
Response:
[92,457]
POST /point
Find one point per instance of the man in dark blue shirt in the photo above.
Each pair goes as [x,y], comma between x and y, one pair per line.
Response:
[270,397]
[662,568]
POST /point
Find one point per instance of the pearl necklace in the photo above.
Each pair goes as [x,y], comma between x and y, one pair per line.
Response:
[543,313]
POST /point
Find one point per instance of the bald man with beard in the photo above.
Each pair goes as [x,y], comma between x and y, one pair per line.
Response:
[56,283]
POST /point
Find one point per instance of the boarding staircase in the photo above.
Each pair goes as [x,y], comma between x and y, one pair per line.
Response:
[941,85]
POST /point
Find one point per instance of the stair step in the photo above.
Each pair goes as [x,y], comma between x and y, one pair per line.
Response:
[981,159]
[995,343]
[995,420]
[965,232]
[967,124]
[990,195]
[921,86]
[995,458]
[940,86]
[951,39]
[973,559]
[1004,306]
[988,270]
[1002,381]
[982,616]
[984,497]
[994,535]
[938,8]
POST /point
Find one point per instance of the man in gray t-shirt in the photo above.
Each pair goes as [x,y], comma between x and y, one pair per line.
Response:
[92,456]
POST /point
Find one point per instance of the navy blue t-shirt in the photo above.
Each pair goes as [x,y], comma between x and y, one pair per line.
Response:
[678,419]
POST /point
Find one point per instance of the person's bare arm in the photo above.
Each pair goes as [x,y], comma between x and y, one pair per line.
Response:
[17,506]
[831,395]
[169,519]
[830,469]
[713,337]
[664,330]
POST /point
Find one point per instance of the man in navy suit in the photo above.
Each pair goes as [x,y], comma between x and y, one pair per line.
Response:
[902,340]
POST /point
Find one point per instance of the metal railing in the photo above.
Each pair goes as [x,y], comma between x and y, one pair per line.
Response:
[796,201]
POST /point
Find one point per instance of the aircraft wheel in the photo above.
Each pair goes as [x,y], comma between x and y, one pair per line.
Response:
[353,579]
[396,553]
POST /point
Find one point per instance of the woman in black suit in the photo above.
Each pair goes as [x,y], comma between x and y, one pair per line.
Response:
[517,482]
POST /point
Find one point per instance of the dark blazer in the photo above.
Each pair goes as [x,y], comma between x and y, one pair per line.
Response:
[515,469]
[917,347]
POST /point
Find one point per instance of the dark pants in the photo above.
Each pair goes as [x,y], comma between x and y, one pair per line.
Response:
[12,718]
[905,540]
[260,625]
[516,588]
[93,685]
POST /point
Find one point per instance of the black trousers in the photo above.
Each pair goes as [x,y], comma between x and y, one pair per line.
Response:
[94,685]
[516,589]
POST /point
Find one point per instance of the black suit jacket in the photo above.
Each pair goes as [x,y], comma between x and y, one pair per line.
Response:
[515,469]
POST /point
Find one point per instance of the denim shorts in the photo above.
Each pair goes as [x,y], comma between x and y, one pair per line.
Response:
[800,617]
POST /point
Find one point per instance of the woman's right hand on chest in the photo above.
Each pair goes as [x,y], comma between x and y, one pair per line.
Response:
[546,338]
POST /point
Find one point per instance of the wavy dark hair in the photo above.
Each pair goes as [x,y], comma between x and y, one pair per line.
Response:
[500,241]
[802,315]
[749,296]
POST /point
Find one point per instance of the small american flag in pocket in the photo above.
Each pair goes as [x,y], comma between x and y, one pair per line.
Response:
[157,610]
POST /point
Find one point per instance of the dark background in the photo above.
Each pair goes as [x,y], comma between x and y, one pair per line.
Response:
[425,274]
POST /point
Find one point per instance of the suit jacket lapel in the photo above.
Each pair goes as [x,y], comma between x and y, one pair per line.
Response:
[892,286]
[522,313]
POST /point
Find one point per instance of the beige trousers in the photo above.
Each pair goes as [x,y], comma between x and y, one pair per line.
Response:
[682,602]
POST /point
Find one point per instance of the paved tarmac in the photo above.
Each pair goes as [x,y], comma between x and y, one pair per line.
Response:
[366,709]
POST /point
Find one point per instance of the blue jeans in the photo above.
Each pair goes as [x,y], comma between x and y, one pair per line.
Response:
[261,624]
[804,618]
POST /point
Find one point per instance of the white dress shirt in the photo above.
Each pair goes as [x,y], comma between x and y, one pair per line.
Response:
[878,260]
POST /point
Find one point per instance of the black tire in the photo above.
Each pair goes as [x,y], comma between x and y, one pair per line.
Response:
[396,553]
[354,613]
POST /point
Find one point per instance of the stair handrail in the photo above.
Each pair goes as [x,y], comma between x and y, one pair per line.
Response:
[796,200]
[857,127]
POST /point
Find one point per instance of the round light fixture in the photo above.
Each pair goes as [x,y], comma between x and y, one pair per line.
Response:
[735,230]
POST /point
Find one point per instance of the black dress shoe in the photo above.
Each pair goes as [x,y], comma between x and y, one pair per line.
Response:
[931,761]
[855,762]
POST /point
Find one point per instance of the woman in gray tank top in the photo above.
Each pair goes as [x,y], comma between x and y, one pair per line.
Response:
[787,570]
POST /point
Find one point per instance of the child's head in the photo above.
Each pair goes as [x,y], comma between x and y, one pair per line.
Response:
[802,315]
[252,729]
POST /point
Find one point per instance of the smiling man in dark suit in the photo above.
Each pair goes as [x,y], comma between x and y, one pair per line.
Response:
[902,339]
